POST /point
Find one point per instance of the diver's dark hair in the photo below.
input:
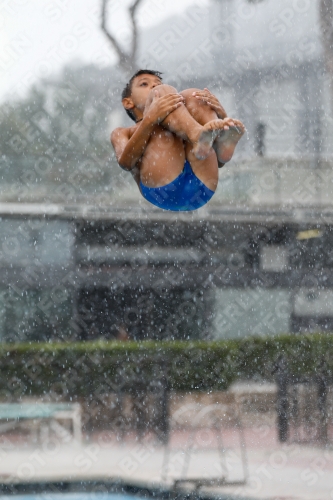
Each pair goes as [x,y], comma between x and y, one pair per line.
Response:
[128,88]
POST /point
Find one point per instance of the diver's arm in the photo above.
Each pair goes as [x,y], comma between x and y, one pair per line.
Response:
[129,147]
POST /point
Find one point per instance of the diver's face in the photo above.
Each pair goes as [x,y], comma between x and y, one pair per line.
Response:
[141,86]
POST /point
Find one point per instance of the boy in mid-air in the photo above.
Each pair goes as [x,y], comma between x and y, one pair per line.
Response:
[177,143]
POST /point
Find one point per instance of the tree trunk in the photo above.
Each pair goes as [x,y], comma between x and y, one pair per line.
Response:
[126,60]
[326,25]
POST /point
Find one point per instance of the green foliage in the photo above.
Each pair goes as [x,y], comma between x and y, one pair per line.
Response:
[90,368]
[55,142]
[64,115]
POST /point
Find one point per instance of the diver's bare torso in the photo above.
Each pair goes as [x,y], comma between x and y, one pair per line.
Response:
[163,158]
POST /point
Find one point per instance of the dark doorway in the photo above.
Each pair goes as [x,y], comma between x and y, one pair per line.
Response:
[144,313]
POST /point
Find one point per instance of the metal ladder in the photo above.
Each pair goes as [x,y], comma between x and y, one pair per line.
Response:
[221,480]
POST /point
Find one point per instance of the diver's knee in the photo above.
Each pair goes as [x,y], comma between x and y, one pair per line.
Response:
[159,91]
[190,99]
[188,93]
[163,89]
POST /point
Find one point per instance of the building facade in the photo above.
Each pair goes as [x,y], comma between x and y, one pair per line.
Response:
[224,272]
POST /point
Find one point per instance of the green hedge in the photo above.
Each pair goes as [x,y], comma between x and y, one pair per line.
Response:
[92,368]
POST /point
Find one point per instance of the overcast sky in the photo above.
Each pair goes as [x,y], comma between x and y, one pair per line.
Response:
[37,37]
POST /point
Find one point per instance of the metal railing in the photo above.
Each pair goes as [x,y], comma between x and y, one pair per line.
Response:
[304,405]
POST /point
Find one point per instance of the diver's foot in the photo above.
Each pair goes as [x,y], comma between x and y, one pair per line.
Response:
[203,143]
[227,140]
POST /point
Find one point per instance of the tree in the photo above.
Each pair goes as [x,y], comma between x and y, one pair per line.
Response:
[57,137]
[326,25]
[126,60]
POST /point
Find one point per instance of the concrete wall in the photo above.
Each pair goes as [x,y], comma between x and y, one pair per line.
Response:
[251,311]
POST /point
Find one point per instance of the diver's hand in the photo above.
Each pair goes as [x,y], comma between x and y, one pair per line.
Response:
[161,107]
[206,96]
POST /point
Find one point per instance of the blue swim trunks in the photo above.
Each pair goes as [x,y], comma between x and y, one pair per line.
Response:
[185,193]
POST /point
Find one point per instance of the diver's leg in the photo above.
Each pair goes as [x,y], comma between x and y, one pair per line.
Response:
[164,159]
[229,134]
[184,125]
[226,142]
[200,110]
[206,170]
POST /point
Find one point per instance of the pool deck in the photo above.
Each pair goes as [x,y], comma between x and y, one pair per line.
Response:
[276,471]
